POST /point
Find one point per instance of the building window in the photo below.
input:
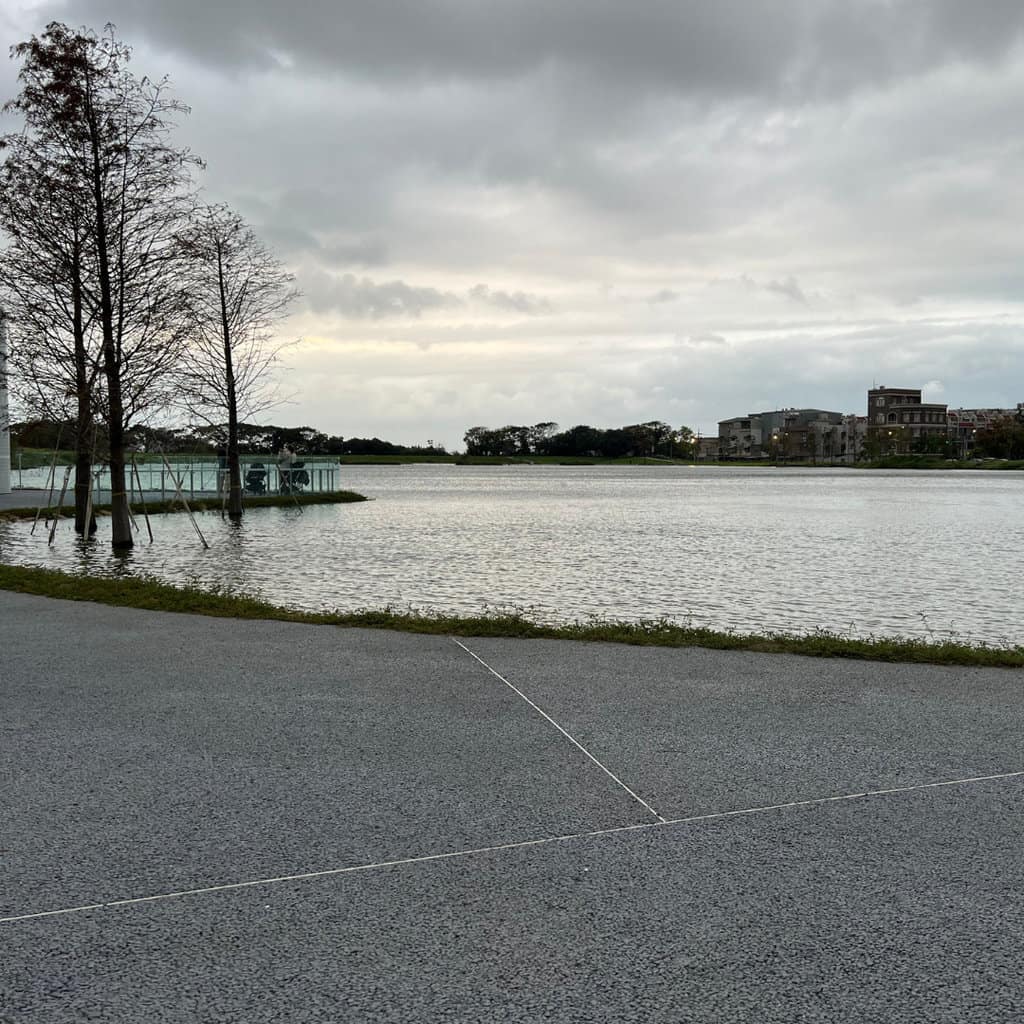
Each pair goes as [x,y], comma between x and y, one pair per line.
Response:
[880,402]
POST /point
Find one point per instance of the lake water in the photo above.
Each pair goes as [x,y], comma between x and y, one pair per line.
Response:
[864,552]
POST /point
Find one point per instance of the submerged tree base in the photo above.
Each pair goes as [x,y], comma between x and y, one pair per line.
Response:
[153,595]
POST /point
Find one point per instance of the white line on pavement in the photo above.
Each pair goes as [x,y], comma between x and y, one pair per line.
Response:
[571,739]
[715,816]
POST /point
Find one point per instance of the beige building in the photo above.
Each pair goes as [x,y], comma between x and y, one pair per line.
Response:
[706,449]
[791,435]
[740,437]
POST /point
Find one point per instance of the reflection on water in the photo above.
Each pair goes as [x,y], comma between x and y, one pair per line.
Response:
[866,552]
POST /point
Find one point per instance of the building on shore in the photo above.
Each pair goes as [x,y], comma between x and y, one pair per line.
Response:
[740,437]
[706,449]
[898,420]
[789,435]
[851,435]
[965,424]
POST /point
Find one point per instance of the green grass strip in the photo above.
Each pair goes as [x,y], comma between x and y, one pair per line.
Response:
[135,592]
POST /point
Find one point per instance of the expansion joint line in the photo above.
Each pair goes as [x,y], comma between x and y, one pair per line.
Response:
[454,855]
[572,739]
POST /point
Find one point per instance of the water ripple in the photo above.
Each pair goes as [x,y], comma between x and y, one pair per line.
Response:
[867,553]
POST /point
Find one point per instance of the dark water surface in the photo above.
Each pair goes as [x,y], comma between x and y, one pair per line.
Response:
[865,552]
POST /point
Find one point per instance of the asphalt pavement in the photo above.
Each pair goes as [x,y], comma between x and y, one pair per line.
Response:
[211,820]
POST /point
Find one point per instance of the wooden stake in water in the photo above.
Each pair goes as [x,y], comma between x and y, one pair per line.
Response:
[178,493]
[88,506]
[60,503]
[142,498]
[52,480]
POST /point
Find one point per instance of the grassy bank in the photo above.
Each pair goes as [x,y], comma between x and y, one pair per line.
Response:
[132,592]
[203,504]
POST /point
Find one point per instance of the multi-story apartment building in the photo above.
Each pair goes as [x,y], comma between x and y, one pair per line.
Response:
[740,437]
[897,418]
[848,438]
[791,434]
[964,424]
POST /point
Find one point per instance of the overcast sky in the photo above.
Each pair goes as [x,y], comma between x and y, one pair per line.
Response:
[608,212]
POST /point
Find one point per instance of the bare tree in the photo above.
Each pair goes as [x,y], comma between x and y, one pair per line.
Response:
[78,99]
[238,292]
[55,359]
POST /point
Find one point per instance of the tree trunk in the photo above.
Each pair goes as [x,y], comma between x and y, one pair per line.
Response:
[234,467]
[83,479]
[120,520]
[83,452]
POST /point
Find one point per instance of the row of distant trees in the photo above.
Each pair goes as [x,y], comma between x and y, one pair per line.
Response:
[1003,439]
[127,298]
[653,438]
[253,439]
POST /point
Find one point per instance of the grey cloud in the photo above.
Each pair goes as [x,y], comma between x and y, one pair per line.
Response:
[298,244]
[362,298]
[856,154]
[790,288]
[695,45]
[362,252]
[731,47]
[517,302]
[363,156]
[744,282]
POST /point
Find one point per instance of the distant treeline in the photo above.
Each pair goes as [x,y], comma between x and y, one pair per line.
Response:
[253,440]
[1003,439]
[639,439]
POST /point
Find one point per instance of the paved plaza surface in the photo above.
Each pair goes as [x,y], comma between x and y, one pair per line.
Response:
[26,498]
[209,820]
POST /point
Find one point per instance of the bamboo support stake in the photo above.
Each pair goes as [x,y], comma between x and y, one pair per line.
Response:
[142,498]
[52,480]
[60,503]
[179,494]
[131,496]
[88,507]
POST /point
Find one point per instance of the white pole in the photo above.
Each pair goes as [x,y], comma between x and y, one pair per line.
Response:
[5,434]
